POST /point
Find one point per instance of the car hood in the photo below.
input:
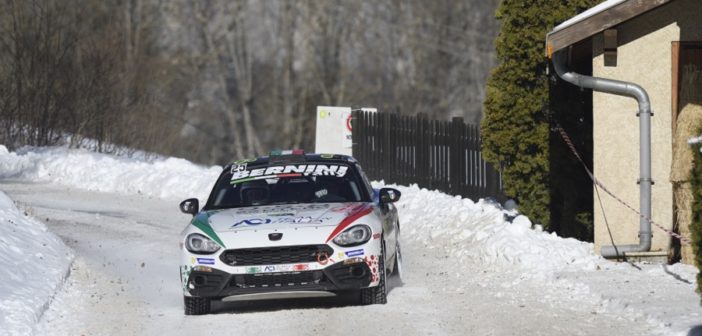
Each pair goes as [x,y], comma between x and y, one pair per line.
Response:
[276,217]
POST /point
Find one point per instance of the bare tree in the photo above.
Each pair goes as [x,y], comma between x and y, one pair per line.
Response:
[214,80]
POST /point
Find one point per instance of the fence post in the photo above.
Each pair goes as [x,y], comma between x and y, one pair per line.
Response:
[422,151]
[357,149]
[473,169]
[385,157]
[455,159]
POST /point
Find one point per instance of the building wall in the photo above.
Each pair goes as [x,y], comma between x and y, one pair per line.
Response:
[644,57]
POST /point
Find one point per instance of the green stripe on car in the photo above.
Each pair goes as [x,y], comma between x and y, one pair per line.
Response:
[246,179]
[201,222]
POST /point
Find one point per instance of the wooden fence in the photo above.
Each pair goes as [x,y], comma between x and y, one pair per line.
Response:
[433,154]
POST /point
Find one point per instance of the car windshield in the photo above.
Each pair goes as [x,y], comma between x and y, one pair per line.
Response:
[285,184]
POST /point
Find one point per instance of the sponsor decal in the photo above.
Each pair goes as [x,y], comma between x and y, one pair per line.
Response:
[340,255]
[284,220]
[277,268]
[253,269]
[321,193]
[237,167]
[266,209]
[192,260]
[202,269]
[300,267]
[354,253]
[303,220]
[346,207]
[376,235]
[205,261]
[255,221]
[284,214]
[244,175]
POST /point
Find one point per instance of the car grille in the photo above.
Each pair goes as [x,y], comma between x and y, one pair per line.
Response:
[277,280]
[275,255]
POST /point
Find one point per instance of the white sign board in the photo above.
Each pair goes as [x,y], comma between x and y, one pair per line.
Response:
[334,130]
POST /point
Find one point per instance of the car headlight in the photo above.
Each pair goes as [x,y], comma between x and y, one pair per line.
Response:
[197,243]
[356,235]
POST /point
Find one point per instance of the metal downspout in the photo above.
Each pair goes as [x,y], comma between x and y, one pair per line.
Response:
[637,92]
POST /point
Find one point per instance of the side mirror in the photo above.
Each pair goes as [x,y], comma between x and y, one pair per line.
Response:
[190,206]
[389,195]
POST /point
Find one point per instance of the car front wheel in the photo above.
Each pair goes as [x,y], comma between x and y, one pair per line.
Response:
[196,305]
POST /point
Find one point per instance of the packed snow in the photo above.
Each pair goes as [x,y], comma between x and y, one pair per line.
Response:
[33,264]
[504,256]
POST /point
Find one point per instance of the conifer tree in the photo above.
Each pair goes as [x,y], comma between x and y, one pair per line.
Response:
[515,129]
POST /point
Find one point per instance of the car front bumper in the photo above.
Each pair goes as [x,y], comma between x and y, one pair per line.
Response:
[214,283]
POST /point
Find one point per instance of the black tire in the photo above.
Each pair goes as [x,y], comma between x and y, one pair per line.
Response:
[377,294]
[196,305]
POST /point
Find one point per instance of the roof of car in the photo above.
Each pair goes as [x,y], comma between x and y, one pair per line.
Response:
[295,158]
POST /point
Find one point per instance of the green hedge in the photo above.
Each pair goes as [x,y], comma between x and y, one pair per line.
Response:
[515,128]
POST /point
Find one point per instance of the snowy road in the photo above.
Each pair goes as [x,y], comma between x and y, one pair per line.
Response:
[125,281]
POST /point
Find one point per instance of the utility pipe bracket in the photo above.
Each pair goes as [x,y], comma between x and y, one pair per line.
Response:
[646,180]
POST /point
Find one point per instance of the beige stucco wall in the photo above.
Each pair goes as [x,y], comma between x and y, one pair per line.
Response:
[643,58]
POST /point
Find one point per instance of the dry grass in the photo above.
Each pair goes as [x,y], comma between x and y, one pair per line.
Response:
[689,120]
[683,197]
[688,123]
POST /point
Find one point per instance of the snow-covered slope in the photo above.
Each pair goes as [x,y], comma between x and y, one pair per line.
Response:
[33,264]
[163,178]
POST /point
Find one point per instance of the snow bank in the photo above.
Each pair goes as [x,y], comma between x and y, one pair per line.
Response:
[462,227]
[161,177]
[33,264]
[465,229]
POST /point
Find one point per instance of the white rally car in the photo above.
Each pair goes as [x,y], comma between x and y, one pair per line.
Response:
[286,226]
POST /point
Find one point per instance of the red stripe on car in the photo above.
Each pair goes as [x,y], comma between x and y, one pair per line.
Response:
[360,212]
[288,175]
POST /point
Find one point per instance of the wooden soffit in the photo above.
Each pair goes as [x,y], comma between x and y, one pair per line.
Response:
[562,37]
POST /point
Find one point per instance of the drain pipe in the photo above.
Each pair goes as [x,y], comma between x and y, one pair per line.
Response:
[637,92]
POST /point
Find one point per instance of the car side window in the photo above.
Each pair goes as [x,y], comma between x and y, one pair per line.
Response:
[366,182]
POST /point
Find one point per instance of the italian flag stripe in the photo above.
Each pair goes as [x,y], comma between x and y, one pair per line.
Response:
[200,222]
[351,217]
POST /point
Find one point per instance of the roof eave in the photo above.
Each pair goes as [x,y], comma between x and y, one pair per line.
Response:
[563,37]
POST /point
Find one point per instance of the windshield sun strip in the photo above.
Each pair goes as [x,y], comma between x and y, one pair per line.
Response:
[246,179]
